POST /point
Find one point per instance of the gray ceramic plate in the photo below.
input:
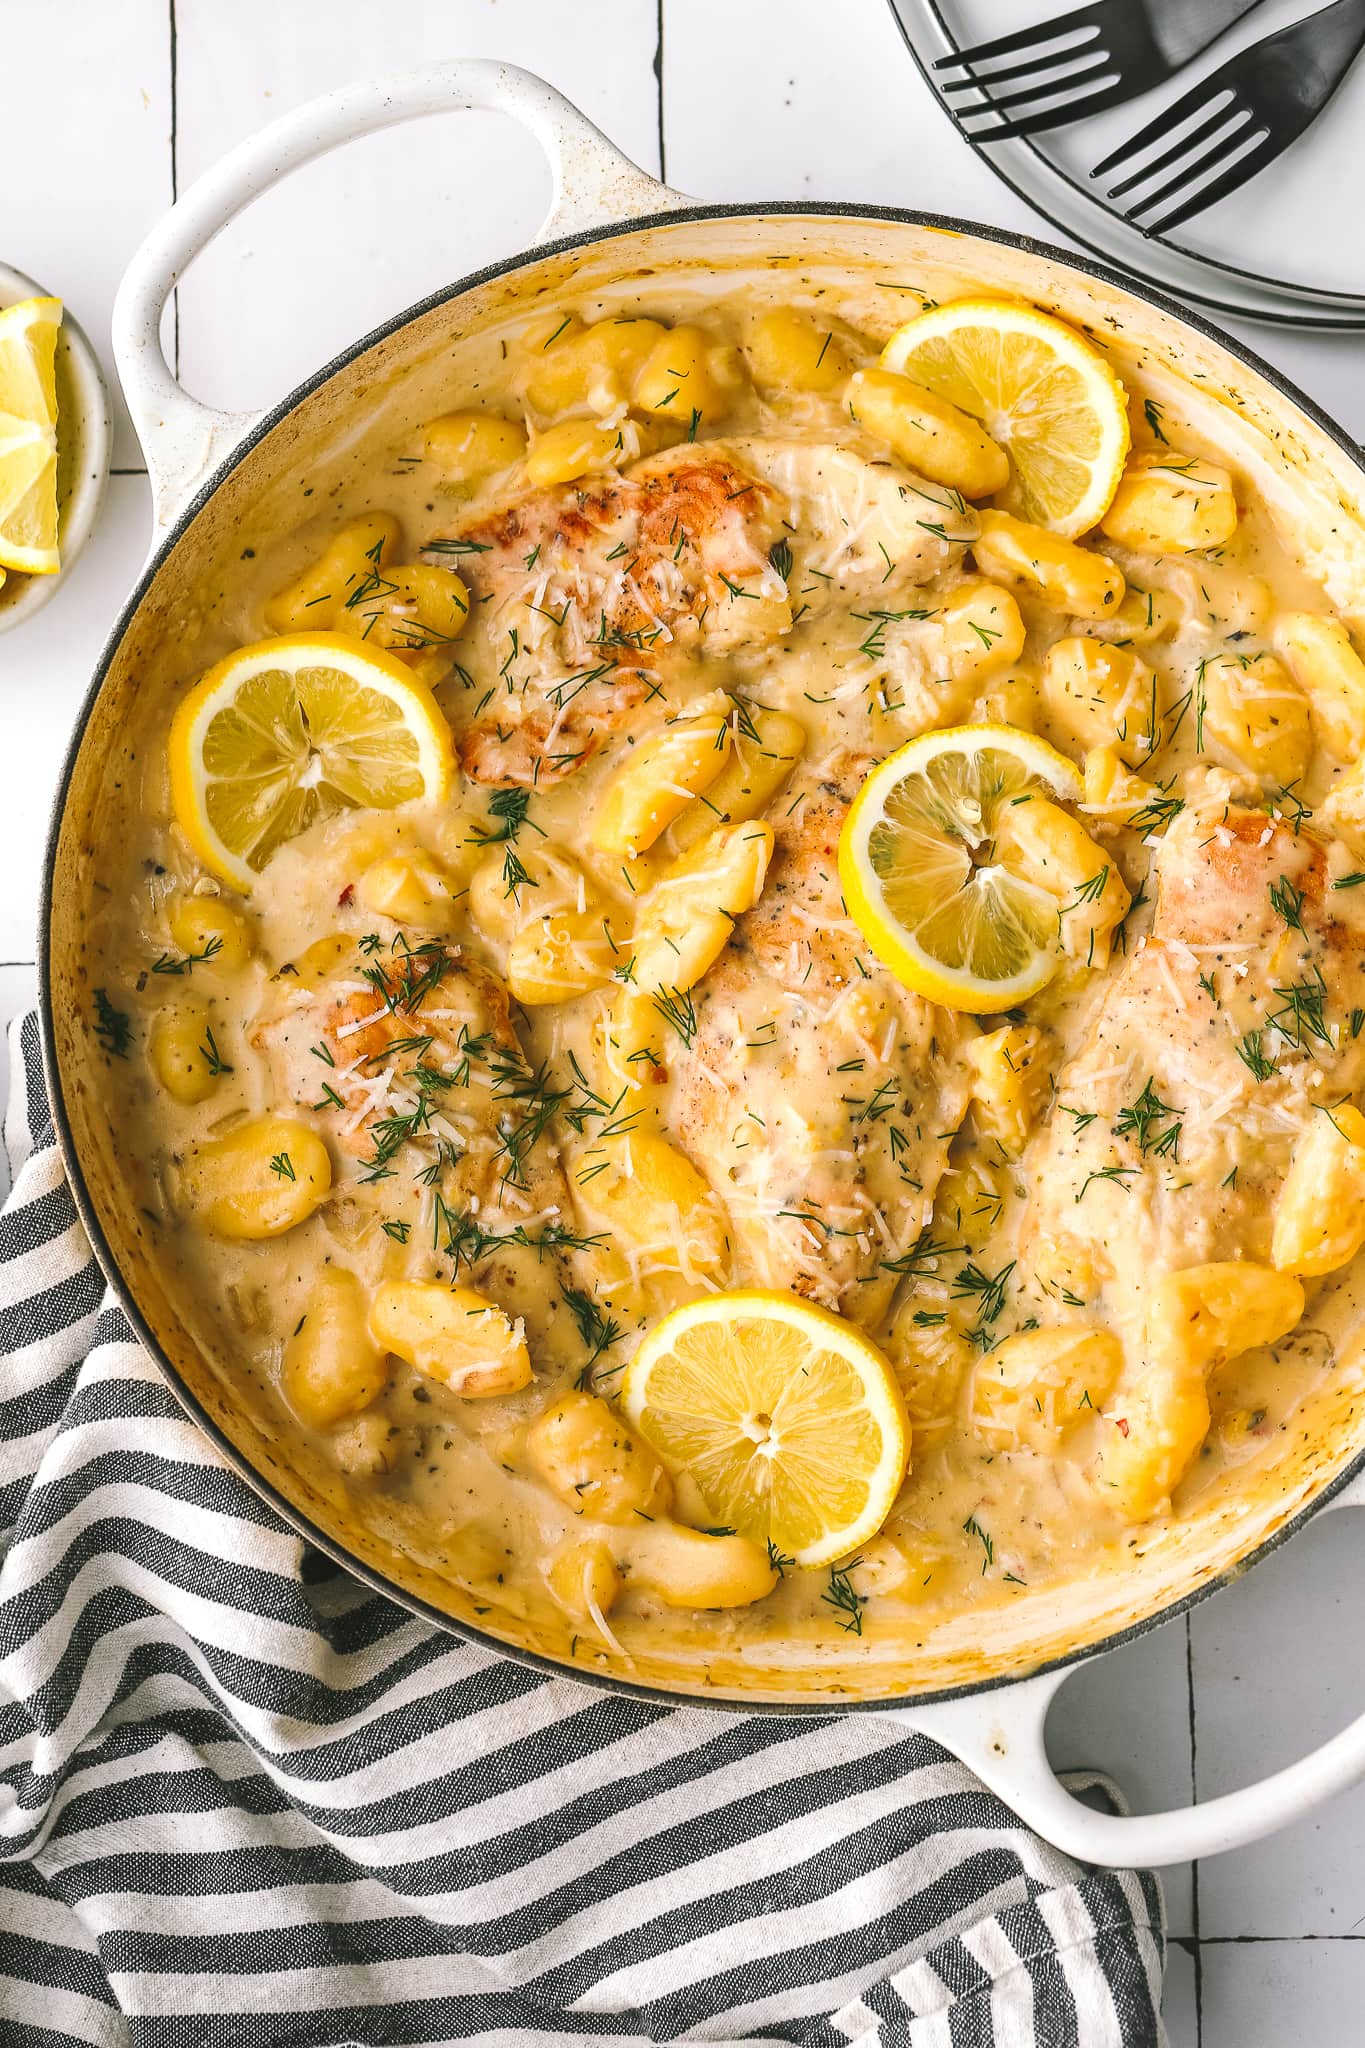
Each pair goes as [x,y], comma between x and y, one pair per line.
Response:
[1277,250]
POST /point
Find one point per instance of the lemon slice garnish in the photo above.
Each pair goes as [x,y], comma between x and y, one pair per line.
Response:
[788,1420]
[1039,390]
[917,860]
[28,436]
[293,730]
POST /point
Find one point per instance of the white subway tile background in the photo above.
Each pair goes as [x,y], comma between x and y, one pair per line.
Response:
[107,108]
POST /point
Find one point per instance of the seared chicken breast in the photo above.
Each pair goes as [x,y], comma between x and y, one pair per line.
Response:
[818,1095]
[1172,1125]
[597,592]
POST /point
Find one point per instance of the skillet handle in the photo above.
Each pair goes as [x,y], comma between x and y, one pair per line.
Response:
[184,441]
[999,1735]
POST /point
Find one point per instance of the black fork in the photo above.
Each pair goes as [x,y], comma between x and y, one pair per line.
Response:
[1082,62]
[1252,108]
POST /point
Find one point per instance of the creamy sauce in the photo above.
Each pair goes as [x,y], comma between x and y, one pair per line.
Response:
[782,1074]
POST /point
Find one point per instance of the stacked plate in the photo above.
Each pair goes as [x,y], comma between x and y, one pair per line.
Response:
[1287,247]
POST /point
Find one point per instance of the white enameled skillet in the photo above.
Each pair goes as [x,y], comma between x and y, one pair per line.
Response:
[611,228]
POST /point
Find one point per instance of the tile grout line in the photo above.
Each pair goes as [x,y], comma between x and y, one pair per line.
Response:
[175,161]
[659,75]
[1194,1867]
[1254,1940]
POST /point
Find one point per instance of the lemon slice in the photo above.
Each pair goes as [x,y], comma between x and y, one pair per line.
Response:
[1039,390]
[919,873]
[789,1421]
[292,730]
[28,436]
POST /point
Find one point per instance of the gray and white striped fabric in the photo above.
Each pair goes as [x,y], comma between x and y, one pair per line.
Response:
[245,1801]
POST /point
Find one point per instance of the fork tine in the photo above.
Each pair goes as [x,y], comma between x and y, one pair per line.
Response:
[1196,101]
[1084,18]
[1265,152]
[1195,167]
[1079,109]
[1032,67]
[1046,90]
[1169,156]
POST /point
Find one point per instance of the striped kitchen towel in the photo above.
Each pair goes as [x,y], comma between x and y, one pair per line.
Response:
[246,1801]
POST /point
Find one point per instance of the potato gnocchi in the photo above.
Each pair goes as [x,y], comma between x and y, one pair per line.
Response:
[462,1097]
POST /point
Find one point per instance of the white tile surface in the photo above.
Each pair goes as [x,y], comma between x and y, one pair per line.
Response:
[87,161]
[1180,2005]
[751,102]
[18,992]
[795,112]
[45,670]
[374,227]
[1279,1664]
[1128,1715]
[1282,1994]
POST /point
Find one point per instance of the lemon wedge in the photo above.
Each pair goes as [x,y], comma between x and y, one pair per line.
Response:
[788,1420]
[28,436]
[292,730]
[917,860]
[1039,390]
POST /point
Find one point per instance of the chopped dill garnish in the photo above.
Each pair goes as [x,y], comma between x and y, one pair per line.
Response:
[923,1255]
[989,1291]
[677,1008]
[213,1059]
[1156,814]
[1119,1175]
[1287,902]
[1300,1019]
[1091,891]
[1137,1118]
[1252,1055]
[971,1527]
[842,1595]
[597,1330]
[507,813]
[169,963]
[113,1027]
[282,1166]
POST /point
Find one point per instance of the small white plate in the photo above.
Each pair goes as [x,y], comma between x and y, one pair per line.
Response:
[84,440]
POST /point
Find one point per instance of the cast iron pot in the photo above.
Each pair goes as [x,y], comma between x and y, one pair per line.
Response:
[611,230]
